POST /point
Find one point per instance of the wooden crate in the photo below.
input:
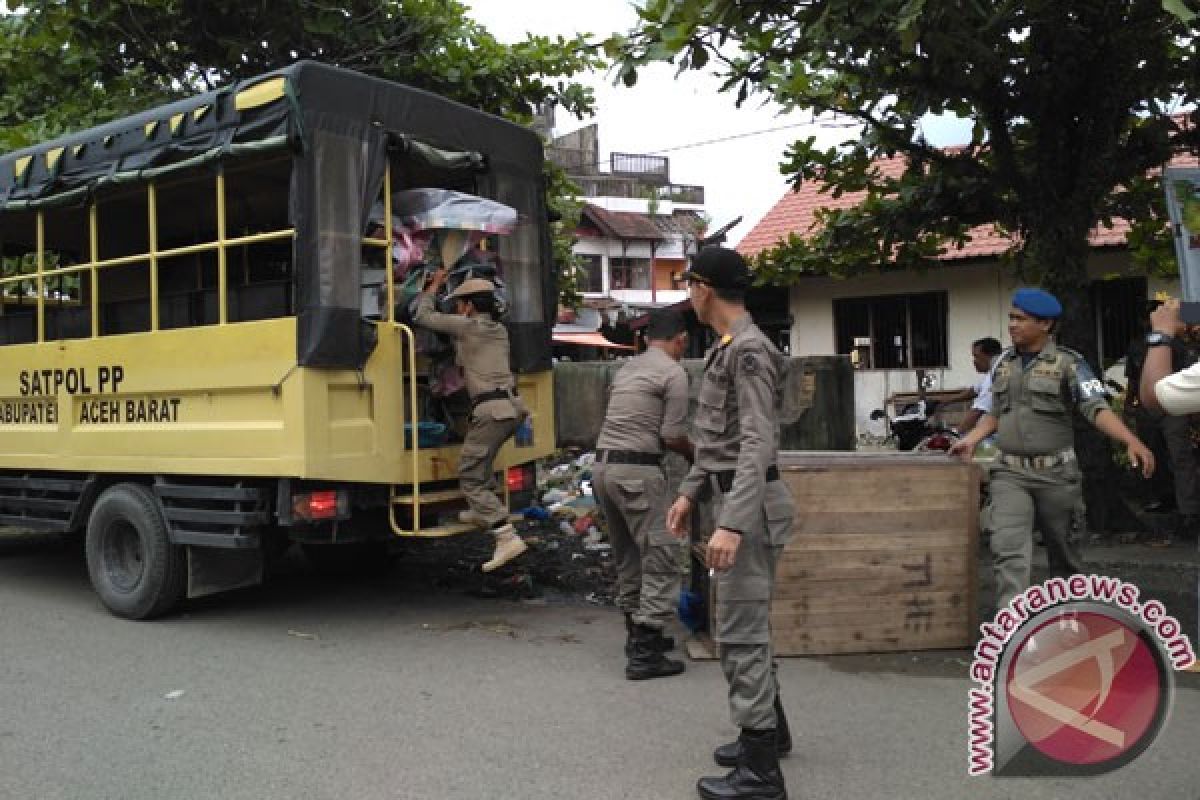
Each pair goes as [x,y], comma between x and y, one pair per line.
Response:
[883,557]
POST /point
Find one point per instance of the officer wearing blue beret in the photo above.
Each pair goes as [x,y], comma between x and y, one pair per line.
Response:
[1036,475]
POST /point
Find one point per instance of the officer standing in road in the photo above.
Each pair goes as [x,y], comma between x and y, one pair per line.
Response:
[736,440]
[647,410]
[1036,477]
[481,349]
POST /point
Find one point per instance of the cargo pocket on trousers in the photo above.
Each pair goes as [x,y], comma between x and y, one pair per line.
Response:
[743,609]
[633,494]
[985,521]
[780,511]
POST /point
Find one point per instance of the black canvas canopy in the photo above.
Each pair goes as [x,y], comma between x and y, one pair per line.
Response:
[342,129]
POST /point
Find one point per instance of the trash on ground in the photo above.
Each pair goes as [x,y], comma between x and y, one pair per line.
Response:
[567,538]
[301,635]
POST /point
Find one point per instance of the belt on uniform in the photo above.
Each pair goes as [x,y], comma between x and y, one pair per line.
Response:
[1047,461]
[495,394]
[628,457]
[724,478]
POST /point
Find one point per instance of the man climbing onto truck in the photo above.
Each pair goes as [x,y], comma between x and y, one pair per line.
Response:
[481,349]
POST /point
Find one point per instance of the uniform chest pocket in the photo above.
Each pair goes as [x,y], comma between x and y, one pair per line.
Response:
[710,406]
[1001,392]
[1044,395]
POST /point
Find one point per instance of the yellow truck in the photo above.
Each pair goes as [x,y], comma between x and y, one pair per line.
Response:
[199,363]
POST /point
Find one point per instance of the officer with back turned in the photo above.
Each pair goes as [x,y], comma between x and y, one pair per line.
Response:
[1036,476]
[647,412]
[736,441]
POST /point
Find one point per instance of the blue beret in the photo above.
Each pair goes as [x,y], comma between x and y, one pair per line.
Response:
[1037,302]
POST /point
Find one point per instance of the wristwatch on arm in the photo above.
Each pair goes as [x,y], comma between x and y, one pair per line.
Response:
[1158,339]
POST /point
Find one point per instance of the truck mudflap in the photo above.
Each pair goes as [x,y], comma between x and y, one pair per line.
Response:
[213,570]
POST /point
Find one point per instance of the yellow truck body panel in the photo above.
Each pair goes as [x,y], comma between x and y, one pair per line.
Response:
[225,400]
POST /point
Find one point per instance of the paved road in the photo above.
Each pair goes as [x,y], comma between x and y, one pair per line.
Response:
[315,688]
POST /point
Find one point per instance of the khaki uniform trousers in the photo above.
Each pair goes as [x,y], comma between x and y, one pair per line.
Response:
[633,498]
[742,618]
[476,473]
[1019,500]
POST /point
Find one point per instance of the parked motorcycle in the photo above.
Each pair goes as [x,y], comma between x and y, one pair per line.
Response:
[915,428]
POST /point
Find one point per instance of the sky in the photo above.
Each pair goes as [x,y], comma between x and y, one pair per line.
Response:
[741,176]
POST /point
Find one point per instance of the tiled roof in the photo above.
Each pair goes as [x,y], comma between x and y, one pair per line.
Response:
[623,224]
[679,221]
[796,213]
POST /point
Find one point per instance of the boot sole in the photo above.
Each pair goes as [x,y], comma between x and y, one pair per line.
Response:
[496,564]
[730,763]
[782,795]
[637,677]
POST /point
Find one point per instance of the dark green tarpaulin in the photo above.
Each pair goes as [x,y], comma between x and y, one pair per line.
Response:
[342,128]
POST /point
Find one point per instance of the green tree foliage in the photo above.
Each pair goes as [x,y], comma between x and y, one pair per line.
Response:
[1071,102]
[69,64]
[562,196]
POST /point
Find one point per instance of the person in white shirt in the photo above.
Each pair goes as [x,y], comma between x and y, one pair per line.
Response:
[1173,393]
[983,354]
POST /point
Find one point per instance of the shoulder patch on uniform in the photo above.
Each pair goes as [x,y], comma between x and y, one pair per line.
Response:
[1089,385]
[749,363]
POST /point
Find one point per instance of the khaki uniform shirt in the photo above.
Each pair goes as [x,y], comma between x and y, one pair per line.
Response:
[1032,403]
[481,349]
[737,422]
[648,402]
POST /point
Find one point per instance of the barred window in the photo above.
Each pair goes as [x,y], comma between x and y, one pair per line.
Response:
[894,331]
[1121,312]
[630,273]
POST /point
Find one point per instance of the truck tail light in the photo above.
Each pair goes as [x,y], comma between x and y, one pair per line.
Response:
[321,505]
[520,478]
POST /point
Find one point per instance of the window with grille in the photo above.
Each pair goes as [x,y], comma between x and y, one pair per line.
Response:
[1121,313]
[893,331]
[630,273]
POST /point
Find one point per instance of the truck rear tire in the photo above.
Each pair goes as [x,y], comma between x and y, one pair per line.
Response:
[134,567]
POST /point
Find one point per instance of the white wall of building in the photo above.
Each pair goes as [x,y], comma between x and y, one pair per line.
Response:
[978,298]
[644,297]
[641,205]
[611,248]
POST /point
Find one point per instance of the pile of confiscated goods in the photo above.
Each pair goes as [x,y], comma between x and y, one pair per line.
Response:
[567,536]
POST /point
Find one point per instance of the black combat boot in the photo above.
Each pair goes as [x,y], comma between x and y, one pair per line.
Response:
[647,660]
[727,754]
[757,775]
[663,643]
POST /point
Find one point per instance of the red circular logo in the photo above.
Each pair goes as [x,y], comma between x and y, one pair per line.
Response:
[1085,688]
